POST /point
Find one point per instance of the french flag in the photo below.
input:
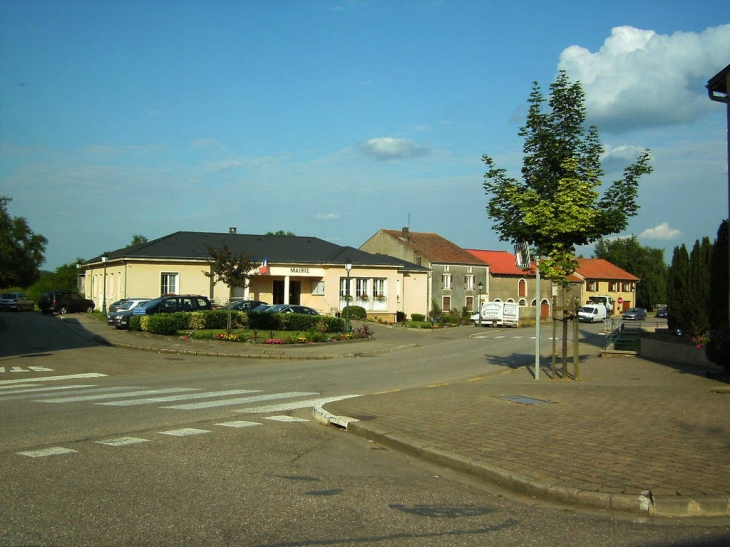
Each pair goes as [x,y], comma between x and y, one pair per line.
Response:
[264,268]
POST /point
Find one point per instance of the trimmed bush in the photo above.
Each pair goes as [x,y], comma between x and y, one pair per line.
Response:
[135,322]
[263,321]
[354,312]
[418,317]
[164,323]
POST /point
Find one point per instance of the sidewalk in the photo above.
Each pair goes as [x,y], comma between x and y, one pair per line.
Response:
[632,435]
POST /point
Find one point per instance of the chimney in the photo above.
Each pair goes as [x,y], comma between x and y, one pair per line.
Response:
[232,230]
[406,234]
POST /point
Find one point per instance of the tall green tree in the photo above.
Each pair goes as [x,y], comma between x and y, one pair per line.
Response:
[21,250]
[232,269]
[678,289]
[700,262]
[558,204]
[717,312]
[646,263]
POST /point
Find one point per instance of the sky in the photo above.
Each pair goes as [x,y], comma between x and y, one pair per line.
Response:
[336,118]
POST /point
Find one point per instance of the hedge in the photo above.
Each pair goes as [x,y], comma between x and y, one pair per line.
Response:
[170,323]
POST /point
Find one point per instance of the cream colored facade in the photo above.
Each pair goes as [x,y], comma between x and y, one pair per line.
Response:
[624,290]
[381,290]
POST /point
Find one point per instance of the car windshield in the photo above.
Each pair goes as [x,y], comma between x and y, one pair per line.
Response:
[586,309]
[8,295]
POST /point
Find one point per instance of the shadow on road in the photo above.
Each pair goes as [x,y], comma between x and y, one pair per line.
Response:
[24,335]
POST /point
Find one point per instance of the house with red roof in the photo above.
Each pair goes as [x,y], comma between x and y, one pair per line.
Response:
[600,277]
[508,283]
[594,277]
[459,280]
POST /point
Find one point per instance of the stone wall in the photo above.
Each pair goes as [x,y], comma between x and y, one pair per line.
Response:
[672,349]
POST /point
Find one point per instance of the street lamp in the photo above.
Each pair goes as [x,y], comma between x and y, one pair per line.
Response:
[104,258]
[480,286]
[348,267]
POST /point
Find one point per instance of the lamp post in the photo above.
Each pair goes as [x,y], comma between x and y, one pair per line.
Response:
[104,258]
[348,267]
[480,286]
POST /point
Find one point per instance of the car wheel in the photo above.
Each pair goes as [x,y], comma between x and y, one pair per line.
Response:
[63,310]
[89,309]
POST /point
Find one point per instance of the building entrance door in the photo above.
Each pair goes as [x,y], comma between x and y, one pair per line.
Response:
[278,291]
[295,292]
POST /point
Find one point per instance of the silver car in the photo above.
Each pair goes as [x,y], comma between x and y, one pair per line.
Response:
[126,307]
[15,301]
[635,314]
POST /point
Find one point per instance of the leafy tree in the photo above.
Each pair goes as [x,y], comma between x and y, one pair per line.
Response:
[557,204]
[138,240]
[21,250]
[232,269]
[646,263]
[280,233]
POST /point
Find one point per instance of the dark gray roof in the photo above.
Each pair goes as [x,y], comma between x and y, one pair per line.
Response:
[276,249]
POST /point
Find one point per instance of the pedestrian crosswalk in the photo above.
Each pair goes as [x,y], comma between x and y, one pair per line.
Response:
[173,398]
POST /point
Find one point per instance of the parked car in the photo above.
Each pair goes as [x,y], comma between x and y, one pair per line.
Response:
[662,312]
[16,301]
[164,304]
[291,308]
[126,306]
[114,306]
[635,314]
[247,305]
[592,313]
[63,301]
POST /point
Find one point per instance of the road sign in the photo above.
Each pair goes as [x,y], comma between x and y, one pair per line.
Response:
[619,300]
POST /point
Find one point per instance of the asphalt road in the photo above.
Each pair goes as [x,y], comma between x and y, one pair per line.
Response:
[104,446]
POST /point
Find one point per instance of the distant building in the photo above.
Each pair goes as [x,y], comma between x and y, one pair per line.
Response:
[455,274]
[298,270]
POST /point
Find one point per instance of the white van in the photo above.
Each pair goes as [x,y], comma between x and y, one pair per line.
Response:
[592,313]
[492,314]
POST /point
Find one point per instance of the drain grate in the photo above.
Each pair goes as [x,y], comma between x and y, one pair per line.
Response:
[524,400]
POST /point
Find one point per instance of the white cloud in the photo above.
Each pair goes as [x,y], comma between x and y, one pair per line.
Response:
[617,158]
[203,144]
[244,162]
[662,231]
[388,148]
[641,78]
[327,216]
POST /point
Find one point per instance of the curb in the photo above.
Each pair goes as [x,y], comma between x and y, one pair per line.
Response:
[642,504]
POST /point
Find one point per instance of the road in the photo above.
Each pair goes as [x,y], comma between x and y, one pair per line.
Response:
[105,446]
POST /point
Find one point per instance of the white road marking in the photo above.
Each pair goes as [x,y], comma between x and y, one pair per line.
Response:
[55,451]
[241,400]
[32,389]
[53,378]
[285,419]
[188,396]
[7,389]
[238,423]
[294,406]
[35,392]
[184,432]
[122,441]
[114,395]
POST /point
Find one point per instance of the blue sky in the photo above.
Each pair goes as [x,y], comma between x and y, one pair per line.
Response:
[335,118]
